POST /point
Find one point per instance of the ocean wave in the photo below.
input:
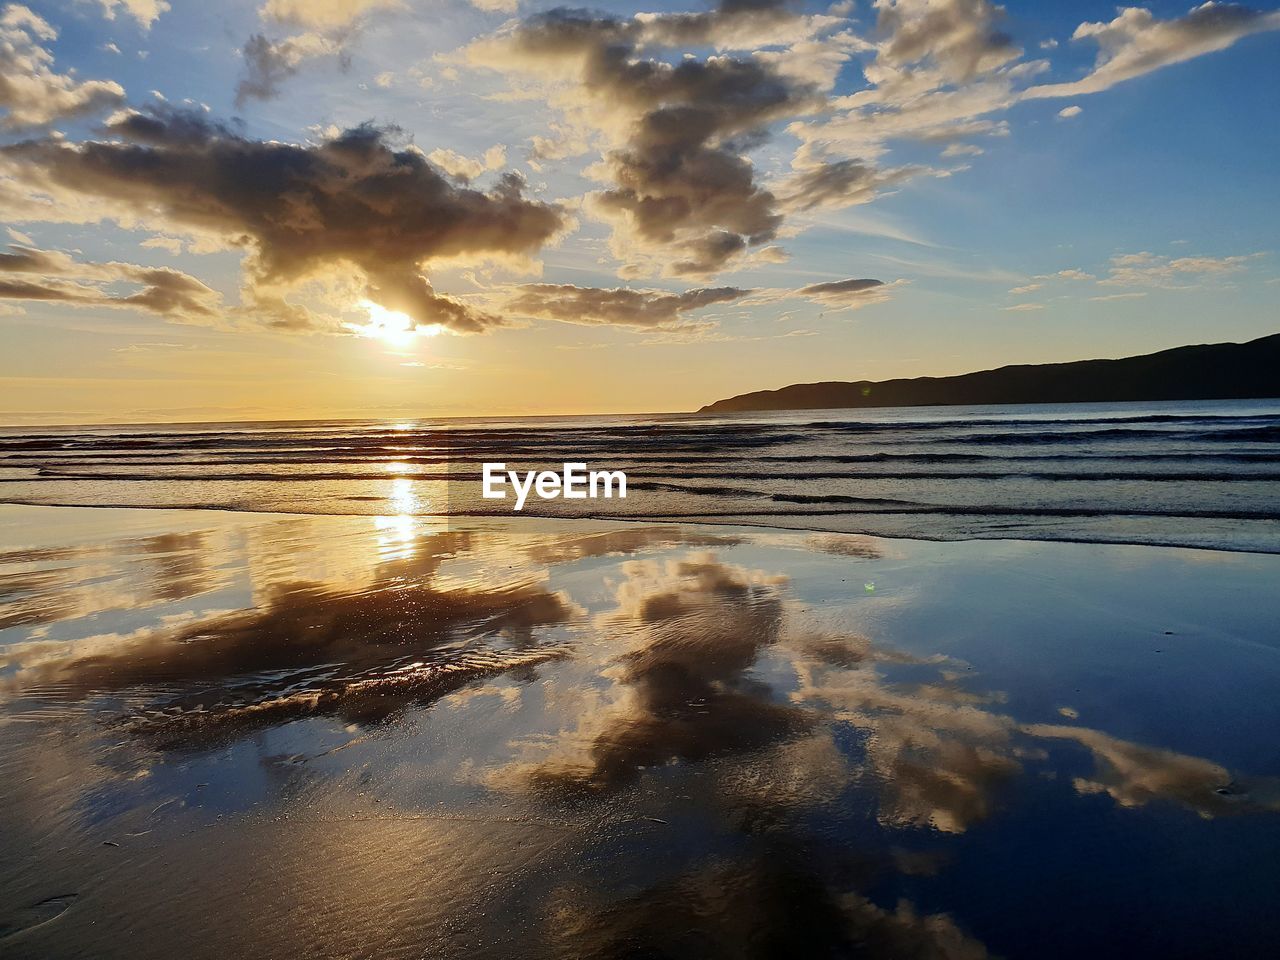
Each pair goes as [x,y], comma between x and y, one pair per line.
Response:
[1198,478]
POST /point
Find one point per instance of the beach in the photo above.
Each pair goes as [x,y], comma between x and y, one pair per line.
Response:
[247,733]
[735,480]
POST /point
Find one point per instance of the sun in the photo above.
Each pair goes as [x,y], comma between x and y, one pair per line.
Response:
[392,327]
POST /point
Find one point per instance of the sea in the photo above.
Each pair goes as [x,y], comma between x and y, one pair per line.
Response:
[1204,474]
[720,719]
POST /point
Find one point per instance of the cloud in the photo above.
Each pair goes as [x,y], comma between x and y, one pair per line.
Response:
[352,204]
[733,25]
[814,61]
[31,93]
[677,133]
[44,275]
[323,14]
[850,294]
[846,293]
[1135,43]
[937,68]
[146,12]
[958,38]
[173,245]
[643,309]
[1023,307]
[841,183]
[268,63]
[1118,296]
[941,69]
[683,198]
[466,168]
[329,27]
[1149,269]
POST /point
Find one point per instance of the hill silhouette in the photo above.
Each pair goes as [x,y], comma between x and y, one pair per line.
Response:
[1217,371]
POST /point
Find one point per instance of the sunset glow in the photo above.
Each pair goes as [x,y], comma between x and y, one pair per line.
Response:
[841,517]
[392,327]
[630,209]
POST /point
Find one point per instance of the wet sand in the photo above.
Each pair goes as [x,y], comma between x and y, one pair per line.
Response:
[234,734]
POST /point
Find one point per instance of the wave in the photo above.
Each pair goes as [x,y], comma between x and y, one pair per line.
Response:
[1200,479]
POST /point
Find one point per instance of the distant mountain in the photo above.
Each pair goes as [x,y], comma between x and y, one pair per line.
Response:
[1216,371]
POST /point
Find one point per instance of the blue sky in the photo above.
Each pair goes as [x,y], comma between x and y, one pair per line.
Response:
[1133,208]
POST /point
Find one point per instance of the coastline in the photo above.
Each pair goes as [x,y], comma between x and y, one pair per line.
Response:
[777,522]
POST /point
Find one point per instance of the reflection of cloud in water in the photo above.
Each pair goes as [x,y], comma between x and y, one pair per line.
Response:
[32,597]
[181,564]
[934,753]
[1134,775]
[845,545]
[606,543]
[738,750]
[690,632]
[307,648]
[684,689]
[132,574]
[766,905]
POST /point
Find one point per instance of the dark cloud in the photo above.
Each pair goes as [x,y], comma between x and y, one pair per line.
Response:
[841,183]
[56,277]
[835,294]
[302,211]
[839,288]
[268,63]
[680,181]
[168,126]
[28,260]
[698,626]
[619,307]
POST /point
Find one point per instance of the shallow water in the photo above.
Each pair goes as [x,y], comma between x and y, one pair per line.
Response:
[1201,474]
[231,734]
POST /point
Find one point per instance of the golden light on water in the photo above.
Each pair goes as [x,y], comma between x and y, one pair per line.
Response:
[396,537]
[398,531]
[394,328]
[402,499]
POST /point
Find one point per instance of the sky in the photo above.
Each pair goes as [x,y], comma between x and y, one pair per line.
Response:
[296,209]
